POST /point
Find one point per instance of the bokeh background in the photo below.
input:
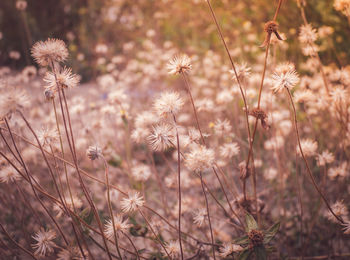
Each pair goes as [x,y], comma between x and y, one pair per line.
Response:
[88,26]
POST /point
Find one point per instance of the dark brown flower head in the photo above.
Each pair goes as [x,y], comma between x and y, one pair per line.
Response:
[256,237]
[270,28]
[260,115]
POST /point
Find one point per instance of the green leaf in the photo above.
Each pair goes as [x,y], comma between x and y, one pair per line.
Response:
[251,223]
[87,215]
[115,161]
[244,254]
[271,232]
[260,253]
[241,240]
[138,231]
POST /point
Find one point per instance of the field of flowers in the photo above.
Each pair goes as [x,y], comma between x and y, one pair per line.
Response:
[198,129]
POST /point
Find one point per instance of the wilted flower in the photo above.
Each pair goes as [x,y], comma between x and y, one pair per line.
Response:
[229,248]
[132,202]
[339,171]
[168,103]
[199,217]
[229,150]
[48,136]
[173,248]
[283,80]
[307,34]
[9,174]
[44,244]
[308,146]
[119,226]
[94,152]
[222,127]
[180,64]
[339,209]
[243,72]
[325,157]
[199,158]
[64,79]
[12,101]
[141,172]
[162,137]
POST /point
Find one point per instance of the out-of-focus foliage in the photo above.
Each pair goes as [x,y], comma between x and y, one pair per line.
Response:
[84,24]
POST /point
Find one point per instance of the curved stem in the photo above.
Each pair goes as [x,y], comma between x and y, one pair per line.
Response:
[110,206]
[306,163]
[207,206]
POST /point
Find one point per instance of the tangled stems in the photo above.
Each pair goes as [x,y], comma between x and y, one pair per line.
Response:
[17,244]
[179,183]
[114,187]
[154,233]
[53,177]
[202,138]
[32,186]
[306,163]
[62,152]
[73,152]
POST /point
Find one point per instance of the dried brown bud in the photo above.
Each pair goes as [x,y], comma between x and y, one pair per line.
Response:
[270,28]
[244,170]
[256,237]
[260,115]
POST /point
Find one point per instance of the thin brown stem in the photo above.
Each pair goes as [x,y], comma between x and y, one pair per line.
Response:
[306,162]
[179,185]
[209,221]
[32,186]
[110,206]
[154,233]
